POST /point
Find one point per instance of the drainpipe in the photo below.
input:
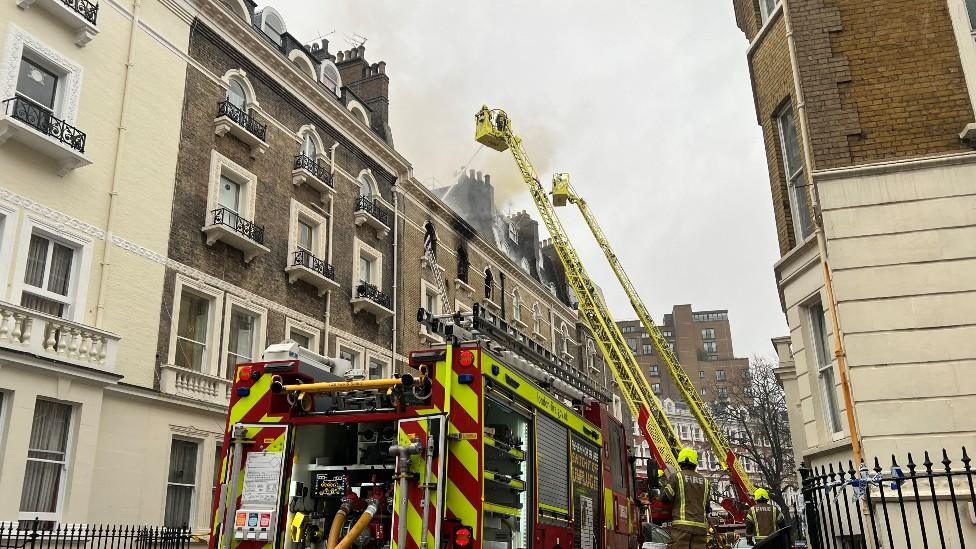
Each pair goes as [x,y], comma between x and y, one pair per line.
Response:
[396,268]
[839,352]
[116,175]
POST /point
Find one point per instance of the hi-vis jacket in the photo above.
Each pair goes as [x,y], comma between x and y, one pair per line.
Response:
[762,520]
[688,493]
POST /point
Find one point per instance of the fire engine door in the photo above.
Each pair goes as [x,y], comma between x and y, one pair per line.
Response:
[425,489]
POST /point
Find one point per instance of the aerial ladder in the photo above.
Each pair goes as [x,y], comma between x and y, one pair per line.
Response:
[562,194]
[493,129]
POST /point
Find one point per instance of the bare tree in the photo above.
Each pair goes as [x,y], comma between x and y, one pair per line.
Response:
[756,415]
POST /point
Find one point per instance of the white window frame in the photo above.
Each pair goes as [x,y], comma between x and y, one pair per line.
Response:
[792,174]
[65,467]
[327,81]
[536,319]
[590,355]
[828,391]
[371,357]
[313,332]
[8,231]
[262,17]
[376,257]
[321,241]
[199,442]
[220,165]
[710,346]
[260,328]
[425,288]
[69,72]
[462,307]
[358,111]
[766,12]
[239,76]
[517,304]
[358,351]
[80,264]
[211,361]
[313,133]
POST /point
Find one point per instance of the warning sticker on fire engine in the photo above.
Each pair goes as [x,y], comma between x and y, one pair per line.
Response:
[585,475]
[262,478]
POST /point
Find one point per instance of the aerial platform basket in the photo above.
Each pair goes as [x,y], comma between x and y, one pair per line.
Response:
[491,128]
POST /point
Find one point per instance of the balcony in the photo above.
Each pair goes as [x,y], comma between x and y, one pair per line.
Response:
[704,356]
[309,171]
[237,122]
[55,338]
[37,128]
[181,382]
[234,230]
[80,15]
[368,211]
[312,270]
[368,298]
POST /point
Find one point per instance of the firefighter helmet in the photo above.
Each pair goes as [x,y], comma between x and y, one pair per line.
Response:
[761,494]
[688,455]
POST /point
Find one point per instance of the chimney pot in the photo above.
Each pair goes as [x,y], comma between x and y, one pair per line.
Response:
[325,44]
[361,51]
[487,179]
[471,174]
[340,56]
[382,67]
[480,176]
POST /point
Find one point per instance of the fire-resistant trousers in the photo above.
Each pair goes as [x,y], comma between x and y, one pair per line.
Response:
[686,540]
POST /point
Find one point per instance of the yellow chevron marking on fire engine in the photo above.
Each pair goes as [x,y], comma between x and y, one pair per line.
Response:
[244,405]
[465,452]
[461,506]
[414,526]
[465,396]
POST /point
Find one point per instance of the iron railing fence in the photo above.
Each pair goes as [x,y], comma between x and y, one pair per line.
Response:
[369,205]
[371,292]
[84,8]
[242,118]
[42,120]
[909,505]
[39,534]
[246,227]
[305,258]
[312,166]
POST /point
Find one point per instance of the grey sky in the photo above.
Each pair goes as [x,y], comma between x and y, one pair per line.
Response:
[646,103]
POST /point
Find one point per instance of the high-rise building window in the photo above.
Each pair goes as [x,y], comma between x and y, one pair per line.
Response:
[656,387]
[648,349]
[723,393]
[793,167]
[181,484]
[47,461]
[654,370]
[711,347]
[825,366]
[708,333]
[719,375]
[632,343]
[701,374]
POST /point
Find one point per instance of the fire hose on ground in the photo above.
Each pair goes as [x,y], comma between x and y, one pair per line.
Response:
[356,528]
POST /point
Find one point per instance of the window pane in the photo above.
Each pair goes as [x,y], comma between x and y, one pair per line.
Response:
[365,189]
[301,339]
[183,462]
[42,483]
[377,369]
[179,499]
[48,441]
[37,83]
[36,261]
[330,77]
[60,269]
[235,92]
[229,195]
[49,431]
[352,357]
[365,270]
[304,236]
[193,317]
[189,354]
[308,147]
[240,340]
[971,6]
[791,141]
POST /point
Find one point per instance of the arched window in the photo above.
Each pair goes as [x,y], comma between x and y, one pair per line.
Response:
[489,283]
[236,94]
[367,187]
[536,319]
[330,77]
[430,239]
[516,305]
[590,355]
[359,111]
[308,146]
[462,264]
[272,25]
[565,333]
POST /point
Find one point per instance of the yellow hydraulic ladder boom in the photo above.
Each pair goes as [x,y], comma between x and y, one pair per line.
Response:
[563,194]
[494,130]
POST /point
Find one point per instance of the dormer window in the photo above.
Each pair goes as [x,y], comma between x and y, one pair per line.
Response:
[330,77]
[308,147]
[273,27]
[236,95]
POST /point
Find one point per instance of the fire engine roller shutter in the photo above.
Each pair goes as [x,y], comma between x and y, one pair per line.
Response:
[552,443]
[585,459]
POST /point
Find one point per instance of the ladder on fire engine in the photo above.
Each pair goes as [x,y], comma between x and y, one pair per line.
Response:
[493,129]
[562,193]
[438,274]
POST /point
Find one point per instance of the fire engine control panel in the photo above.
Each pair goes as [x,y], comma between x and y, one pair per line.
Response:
[254,524]
[328,485]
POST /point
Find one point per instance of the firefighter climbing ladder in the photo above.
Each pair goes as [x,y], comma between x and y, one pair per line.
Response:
[563,194]
[493,129]
[438,273]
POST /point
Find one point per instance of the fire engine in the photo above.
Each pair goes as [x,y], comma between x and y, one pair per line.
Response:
[493,442]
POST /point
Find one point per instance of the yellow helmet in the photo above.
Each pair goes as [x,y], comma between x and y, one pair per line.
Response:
[688,455]
[761,494]
[660,473]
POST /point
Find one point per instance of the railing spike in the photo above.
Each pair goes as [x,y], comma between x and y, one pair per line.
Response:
[877,465]
[927,463]
[945,460]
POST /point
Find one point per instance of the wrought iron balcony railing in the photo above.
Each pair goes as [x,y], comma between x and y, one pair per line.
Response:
[44,122]
[84,8]
[303,162]
[369,205]
[228,218]
[245,120]
[372,293]
[304,258]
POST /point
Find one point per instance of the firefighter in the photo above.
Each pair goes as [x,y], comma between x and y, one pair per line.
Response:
[687,492]
[764,518]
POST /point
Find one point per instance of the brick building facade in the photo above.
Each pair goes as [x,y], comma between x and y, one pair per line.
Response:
[884,144]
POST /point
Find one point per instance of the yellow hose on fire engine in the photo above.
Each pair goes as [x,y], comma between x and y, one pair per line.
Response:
[337,522]
[356,529]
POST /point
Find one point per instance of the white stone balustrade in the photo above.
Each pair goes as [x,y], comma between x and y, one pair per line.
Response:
[48,336]
[182,382]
